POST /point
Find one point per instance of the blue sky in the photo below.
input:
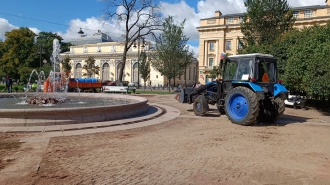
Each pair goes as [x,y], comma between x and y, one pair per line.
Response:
[87,14]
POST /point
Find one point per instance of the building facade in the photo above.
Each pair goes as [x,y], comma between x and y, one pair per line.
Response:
[220,34]
[108,56]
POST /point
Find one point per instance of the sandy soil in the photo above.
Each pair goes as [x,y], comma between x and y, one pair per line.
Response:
[190,150]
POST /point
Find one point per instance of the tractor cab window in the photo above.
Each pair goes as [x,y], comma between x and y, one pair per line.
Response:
[245,69]
[230,70]
[241,69]
[266,72]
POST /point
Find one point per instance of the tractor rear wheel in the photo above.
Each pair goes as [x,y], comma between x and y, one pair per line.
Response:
[242,106]
[200,106]
[277,110]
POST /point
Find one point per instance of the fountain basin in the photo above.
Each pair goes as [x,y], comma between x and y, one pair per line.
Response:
[74,115]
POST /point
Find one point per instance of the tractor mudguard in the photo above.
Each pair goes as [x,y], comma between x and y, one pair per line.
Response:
[281,91]
[254,87]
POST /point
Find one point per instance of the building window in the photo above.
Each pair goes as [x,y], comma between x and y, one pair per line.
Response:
[296,14]
[78,71]
[239,45]
[230,20]
[228,45]
[212,46]
[241,19]
[211,60]
[328,11]
[156,76]
[308,13]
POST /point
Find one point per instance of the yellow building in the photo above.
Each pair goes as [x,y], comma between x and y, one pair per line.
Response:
[108,56]
[219,34]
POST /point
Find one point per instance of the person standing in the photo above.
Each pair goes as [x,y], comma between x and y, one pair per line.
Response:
[9,84]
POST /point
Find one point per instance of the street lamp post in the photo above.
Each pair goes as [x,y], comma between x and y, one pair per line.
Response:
[140,44]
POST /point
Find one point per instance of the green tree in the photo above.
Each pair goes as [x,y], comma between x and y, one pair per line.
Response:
[18,52]
[139,17]
[44,45]
[307,67]
[2,72]
[265,20]
[168,56]
[66,67]
[65,46]
[90,67]
[144,67]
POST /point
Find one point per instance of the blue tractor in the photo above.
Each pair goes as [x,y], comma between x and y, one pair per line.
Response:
[249,91]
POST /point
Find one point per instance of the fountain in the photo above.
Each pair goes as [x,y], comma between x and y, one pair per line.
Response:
[54,106]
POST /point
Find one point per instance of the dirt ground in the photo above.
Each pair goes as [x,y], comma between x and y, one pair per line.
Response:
[186,150]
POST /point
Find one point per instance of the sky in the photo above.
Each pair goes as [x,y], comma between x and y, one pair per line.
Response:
[65,17]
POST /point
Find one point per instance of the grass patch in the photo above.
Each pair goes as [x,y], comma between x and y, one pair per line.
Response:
[4,89]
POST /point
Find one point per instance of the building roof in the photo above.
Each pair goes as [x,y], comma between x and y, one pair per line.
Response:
[294,8]
[93,39]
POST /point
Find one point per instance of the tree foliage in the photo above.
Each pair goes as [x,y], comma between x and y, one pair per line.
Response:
[169,56]
[308,58]
[90,67]
[144,67]
[138,17]
[23,51]
[303,60]
[66,67]
[265,20]
[44,44]
[18,51]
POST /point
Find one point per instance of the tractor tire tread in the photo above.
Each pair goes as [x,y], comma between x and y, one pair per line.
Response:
[253,109]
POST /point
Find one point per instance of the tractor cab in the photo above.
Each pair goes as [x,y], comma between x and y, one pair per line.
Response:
[257,71]
[259,68]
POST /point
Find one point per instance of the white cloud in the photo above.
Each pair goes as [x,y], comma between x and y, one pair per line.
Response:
[89,27]
[35,30]
[5,26]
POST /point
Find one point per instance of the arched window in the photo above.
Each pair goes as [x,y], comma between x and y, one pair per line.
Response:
[118,69]
[78,71]
[105,72]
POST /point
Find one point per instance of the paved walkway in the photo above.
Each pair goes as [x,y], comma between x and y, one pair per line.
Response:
[38,142]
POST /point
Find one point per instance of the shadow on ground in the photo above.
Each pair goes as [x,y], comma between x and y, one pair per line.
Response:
[284,120]
[210,113]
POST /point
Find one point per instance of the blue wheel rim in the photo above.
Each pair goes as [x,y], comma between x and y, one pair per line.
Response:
[198,107]
[238,107]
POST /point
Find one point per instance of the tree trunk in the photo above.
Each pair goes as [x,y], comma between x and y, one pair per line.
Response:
[169,85]
[122,67]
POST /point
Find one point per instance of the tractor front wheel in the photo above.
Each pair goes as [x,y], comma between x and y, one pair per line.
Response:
[200,106]
[242,106]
